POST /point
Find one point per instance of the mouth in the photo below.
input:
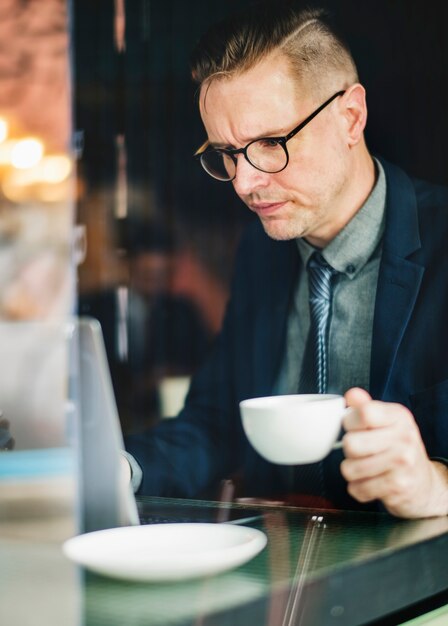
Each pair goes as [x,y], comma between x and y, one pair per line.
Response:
[266,208]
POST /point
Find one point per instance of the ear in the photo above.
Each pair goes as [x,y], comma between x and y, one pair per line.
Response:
[354,108]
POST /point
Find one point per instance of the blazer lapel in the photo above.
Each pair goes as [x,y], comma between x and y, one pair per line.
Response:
[399,278]
[398,287]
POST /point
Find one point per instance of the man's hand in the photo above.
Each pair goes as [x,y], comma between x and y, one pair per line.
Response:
[387,460]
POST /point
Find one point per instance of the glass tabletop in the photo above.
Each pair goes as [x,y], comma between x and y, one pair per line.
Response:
[318,567]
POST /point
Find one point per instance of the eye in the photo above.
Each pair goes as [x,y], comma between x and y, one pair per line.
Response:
[268,143]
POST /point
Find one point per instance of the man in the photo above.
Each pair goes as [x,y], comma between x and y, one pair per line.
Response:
[284,115]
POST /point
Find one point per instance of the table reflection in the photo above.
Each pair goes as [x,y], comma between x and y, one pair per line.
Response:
[282,585]
[317,568]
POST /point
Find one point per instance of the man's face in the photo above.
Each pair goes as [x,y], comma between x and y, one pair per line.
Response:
[307,198]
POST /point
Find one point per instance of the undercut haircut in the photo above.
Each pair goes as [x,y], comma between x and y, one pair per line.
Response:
[317,53]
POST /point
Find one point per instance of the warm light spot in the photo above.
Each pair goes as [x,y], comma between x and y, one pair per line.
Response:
[17,190]
[21,178]
[59,192]
[6,148]
[54,168]
[27,153]
[3,129]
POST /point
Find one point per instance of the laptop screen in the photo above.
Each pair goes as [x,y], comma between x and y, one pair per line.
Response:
[106,501]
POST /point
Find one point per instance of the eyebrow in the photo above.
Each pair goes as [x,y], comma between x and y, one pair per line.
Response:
[210,144]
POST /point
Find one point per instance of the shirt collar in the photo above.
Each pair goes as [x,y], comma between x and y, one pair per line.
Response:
[353,246]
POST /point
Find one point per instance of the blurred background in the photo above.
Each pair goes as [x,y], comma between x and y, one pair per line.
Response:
[98,125]
[36,166]
[37,222]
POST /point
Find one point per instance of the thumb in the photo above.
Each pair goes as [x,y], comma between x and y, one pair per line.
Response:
[357,397]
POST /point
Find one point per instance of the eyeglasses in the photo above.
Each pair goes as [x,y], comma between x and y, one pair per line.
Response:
[267,154]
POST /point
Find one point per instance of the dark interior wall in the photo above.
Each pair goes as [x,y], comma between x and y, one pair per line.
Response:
[401,48]
[163,128]
[96,87]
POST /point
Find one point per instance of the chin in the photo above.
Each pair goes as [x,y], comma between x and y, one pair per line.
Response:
[281,230]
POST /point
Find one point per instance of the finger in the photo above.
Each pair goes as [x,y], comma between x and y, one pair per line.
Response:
[374,488]
[401,445]
[395,489]
[388,460]
[376,414]
[388,474]
[363,416]
[361,443]
[357,397]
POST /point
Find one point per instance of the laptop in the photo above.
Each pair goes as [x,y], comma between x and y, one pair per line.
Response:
[106,501]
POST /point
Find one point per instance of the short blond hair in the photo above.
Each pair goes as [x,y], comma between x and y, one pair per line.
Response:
[317,53]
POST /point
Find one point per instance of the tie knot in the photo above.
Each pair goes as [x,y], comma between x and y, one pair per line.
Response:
[317,262]
[320,274]
[318,265]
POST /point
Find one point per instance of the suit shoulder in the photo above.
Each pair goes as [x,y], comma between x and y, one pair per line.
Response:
[402,184]
[430,194]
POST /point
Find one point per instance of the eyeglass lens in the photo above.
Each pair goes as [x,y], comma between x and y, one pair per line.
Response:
[218,164]
[266,155]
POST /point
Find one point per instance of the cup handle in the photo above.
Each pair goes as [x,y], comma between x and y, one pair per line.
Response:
[338,444]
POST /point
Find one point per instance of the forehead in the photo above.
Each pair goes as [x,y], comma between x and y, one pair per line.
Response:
[261,100]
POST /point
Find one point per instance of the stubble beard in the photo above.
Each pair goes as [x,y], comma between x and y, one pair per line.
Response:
[306,220]
[284,229]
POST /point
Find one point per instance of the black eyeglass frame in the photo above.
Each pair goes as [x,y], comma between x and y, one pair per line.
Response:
[232,152]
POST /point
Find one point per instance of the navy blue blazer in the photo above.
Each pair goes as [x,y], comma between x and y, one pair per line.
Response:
[409,359]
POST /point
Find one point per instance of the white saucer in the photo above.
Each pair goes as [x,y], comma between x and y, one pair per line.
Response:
[165,552]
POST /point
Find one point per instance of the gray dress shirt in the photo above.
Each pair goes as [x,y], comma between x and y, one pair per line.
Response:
[356,253]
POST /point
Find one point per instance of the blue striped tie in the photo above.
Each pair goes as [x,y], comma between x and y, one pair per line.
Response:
[314,376]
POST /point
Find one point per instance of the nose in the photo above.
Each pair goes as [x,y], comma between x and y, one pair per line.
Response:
[248,179]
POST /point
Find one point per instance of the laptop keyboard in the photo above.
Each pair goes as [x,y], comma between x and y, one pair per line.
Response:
[160,519]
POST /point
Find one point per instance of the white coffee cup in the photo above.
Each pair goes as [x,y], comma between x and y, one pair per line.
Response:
[293,429]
